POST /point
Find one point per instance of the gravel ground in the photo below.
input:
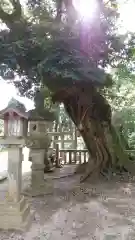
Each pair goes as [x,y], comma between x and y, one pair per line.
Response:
[77,211]
[81,211]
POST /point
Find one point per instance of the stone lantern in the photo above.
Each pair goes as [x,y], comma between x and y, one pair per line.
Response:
[14,211]
[38,141]
[15,121]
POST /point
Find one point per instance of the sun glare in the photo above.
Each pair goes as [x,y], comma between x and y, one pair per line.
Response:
[86,8]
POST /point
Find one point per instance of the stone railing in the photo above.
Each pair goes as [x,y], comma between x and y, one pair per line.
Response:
[71,156]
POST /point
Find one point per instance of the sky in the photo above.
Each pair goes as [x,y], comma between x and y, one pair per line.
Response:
[7,91]
[127,15]
[127,20]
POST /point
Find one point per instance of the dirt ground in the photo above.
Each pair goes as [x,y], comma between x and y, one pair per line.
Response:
[102,211]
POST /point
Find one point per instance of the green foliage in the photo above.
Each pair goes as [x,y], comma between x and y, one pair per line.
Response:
[43,106]
[121,97]
[119,147]
[66,65]
[42,47]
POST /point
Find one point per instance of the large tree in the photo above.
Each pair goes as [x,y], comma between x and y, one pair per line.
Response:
[51,45]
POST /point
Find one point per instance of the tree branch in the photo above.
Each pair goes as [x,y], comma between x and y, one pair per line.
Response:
[16,15]
[71,12]
[59,10]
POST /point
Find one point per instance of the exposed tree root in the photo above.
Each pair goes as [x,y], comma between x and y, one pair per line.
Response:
[92,174]
[81,168]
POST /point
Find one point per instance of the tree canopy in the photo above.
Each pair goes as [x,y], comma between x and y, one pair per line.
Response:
[51,43]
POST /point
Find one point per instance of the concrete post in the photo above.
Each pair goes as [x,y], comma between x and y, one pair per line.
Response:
[14,173]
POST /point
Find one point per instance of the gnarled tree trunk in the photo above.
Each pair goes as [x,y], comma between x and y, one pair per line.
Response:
[92,115]
[100,153]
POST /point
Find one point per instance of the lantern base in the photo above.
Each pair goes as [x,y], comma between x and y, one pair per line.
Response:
[33,191]
[15,215]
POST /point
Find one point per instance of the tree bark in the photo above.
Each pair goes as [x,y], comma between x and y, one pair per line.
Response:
[94,136]
[99,152]
[92,116]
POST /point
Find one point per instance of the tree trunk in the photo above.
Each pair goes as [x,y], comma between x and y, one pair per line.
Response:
[95,138]
[92,116]
[106,153]
[100,156]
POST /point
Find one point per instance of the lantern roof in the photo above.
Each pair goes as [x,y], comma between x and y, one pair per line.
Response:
[44,115]
[16,107]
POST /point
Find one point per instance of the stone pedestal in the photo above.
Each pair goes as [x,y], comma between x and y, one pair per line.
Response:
[38,185]
[15,215]
[14,211]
